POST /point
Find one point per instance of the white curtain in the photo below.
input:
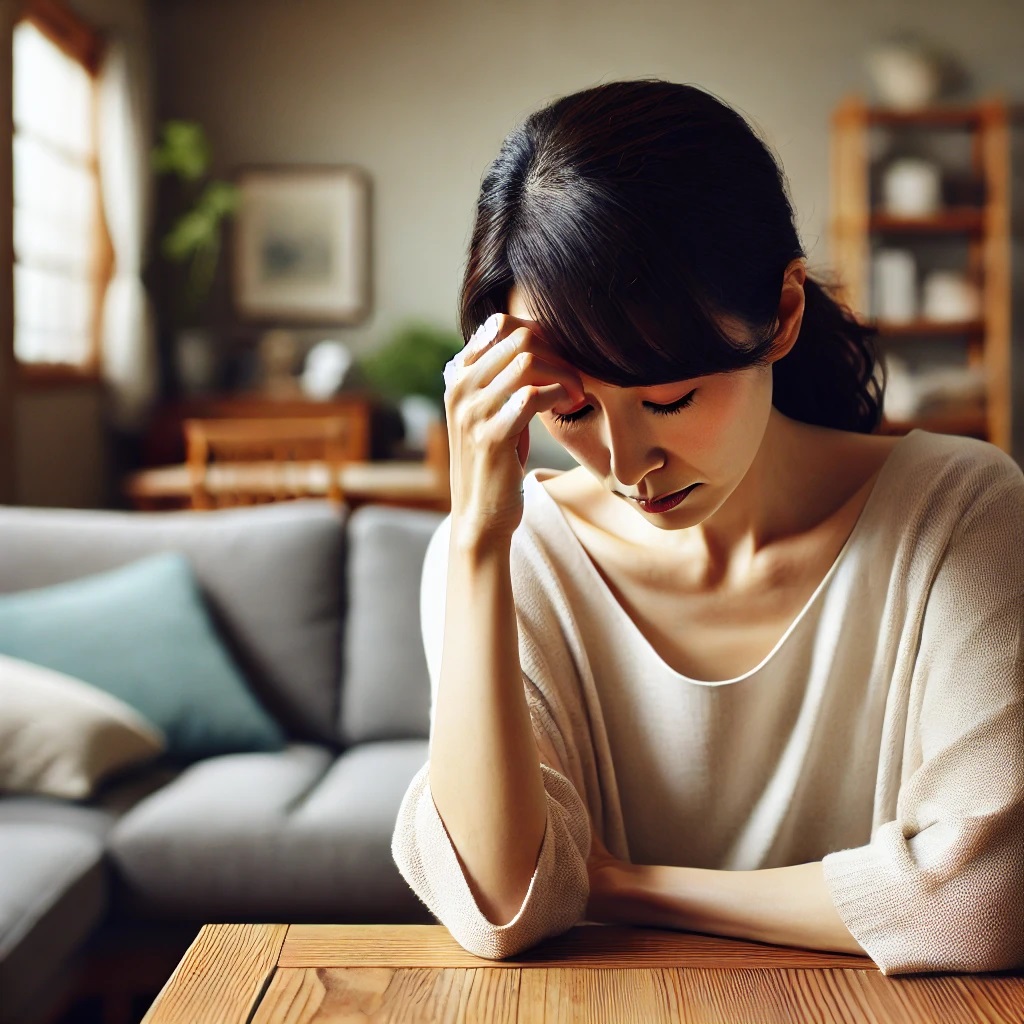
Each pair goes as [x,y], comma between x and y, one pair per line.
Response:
[128,333]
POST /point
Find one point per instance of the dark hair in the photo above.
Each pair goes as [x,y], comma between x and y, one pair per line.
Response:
[633,216]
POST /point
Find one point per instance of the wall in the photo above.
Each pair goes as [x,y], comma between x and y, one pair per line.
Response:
[421,94]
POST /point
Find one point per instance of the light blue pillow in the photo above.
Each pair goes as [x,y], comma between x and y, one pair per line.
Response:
[142,633]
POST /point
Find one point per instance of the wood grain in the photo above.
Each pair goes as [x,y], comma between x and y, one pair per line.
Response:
[594,946]
[646,996]
[222,976]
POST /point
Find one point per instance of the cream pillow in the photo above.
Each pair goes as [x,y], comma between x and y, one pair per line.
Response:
[61,737]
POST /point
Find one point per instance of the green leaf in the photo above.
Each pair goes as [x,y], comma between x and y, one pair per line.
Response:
[220,198]
[412,362]
[182,150]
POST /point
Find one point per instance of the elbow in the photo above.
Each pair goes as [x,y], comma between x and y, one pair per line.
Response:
[989,931]
[985,939]
[525,930]
[988,942]
[555,901]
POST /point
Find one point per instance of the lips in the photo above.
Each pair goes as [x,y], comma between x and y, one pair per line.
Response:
[665,501]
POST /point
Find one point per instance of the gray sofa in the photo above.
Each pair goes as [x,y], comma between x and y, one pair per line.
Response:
[321,609]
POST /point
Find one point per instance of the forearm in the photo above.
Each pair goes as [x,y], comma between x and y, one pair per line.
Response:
[485,774]
[789,906]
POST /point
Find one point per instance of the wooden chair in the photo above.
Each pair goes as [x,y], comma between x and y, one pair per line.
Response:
[254,461]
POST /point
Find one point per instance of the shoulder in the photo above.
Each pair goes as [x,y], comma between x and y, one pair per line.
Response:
[957,501]
[958,472]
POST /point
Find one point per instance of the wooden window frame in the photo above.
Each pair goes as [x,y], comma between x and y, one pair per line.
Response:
[67,31]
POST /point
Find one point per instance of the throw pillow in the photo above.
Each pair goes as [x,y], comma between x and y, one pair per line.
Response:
[62,737]
[142,633]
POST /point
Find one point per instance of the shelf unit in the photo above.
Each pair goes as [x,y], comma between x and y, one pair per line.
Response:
[857,223]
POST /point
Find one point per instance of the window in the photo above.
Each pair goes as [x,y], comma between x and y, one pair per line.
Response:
[61,250]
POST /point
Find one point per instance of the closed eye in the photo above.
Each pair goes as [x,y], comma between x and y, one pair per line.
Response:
[568,418]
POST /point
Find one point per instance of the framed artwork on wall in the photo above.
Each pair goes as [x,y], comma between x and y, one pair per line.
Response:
[301,245]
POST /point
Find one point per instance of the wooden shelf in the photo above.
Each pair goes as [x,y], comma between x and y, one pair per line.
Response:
[926,117]
[953,221]
[917,328]
[981,231]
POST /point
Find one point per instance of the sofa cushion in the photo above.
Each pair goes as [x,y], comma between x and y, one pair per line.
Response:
[385,688]
[53,893]
[60,736]
[141,632]
[270,576]
[93,820]
[296,836]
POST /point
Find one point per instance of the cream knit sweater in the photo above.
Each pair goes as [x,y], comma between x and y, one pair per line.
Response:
[883,735]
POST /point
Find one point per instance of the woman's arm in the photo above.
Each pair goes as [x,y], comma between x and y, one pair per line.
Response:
[788,906]
[485,773]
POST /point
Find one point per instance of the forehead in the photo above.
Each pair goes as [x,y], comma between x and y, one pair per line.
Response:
[520,308]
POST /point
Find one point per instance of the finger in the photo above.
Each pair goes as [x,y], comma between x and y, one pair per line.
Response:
[529,368]
[495,329]
[515,415]
[486,335]
[500,353]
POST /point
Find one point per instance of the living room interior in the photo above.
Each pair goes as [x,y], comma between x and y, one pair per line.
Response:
[238,234]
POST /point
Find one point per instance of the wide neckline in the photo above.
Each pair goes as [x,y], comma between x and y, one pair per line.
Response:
[580,553]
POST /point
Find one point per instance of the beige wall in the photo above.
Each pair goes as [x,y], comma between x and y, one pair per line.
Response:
[421,94]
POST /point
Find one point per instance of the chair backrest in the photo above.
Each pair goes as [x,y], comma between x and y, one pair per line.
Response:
[253,461]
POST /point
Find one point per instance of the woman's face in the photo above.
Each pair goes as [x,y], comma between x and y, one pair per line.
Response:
[653,442]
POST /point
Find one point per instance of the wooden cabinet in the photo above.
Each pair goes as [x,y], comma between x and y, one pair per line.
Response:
[973,221]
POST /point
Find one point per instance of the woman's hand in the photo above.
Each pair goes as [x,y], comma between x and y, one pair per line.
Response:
[495,385]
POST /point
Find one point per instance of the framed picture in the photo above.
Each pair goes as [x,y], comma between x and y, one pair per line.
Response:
[302,245]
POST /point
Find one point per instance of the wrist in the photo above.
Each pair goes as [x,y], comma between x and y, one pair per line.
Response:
[644,897]
[477,542]
[617,892]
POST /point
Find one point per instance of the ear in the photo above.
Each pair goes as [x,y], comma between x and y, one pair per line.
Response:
[791,309]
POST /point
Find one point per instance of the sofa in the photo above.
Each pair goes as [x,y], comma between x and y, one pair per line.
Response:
[320,609]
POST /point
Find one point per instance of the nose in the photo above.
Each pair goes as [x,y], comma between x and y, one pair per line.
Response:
[631,454]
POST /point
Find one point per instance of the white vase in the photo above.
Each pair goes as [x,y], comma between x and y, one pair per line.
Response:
[895,285]
[905,75]
[195,360]
[949,295]
[418,413]
[911,187]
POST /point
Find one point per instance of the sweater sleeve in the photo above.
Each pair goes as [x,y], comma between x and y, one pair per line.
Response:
[941,888]
[425,855]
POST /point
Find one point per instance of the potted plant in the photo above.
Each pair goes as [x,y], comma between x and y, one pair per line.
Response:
[409,368]
[193,244]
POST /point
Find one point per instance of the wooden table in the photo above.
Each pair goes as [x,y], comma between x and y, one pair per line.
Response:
[408,484]
[300,974]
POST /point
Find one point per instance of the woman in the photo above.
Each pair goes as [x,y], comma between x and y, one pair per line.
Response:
[752,669]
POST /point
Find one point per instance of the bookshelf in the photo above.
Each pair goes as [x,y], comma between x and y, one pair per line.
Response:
[976,222]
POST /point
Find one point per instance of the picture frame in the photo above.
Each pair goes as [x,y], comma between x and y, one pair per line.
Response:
[301,245]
